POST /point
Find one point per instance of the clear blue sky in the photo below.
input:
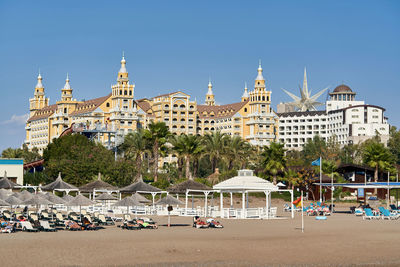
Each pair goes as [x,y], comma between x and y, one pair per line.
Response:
[177,45]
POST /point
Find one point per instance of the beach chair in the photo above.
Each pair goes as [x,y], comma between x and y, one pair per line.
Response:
[27,227]
[386,214]
[45,226]
[105,221]
[7,216]
[370,215]
[359,212]
[393,208]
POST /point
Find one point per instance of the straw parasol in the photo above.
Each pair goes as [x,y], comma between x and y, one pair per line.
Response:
[5,183]
[140,198]
[139,186]
[169,200]
[3,203]
[13,201]
[106,196]
[68,198]
[54,199]
[127,202]
[36,200]
[59,184]
[214,177]
[80,201]
[188,184]
[4,194]
[25,195]
[98,185]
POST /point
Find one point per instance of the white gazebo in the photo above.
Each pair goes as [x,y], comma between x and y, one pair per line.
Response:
[246,183]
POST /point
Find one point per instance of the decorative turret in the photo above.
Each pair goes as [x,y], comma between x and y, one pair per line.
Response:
[39,100]
[66,92]
[260,81]
[210,100]
[245,95]
[123,73]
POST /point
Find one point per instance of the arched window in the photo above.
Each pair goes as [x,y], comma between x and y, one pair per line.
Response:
[245,109]
[108,105]
[125,92]
[263,98]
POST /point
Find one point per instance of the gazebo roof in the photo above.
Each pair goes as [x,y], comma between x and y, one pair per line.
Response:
[140,186]
[98,185]
[188,184]
[58,184]
[245,181]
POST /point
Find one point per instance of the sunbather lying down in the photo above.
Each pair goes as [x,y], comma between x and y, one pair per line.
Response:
[6,227]
[199,223]
[214,224]
[147,223]
[130,225]
[87,225]
[73,226]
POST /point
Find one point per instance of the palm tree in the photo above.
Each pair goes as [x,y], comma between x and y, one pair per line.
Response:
[191,145]
[273,159]
[11,153]
[177,147]
[237,151]
[214,147]
[377,156]
[134,147]
[157,134]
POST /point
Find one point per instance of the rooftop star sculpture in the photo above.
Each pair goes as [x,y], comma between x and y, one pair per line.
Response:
[305,102]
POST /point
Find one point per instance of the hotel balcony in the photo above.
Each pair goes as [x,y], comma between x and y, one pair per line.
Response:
[260,136]
[260,121]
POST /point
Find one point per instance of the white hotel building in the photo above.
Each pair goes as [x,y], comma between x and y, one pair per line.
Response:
[345,119]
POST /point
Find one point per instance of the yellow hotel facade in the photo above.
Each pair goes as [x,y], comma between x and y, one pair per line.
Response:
[109,118]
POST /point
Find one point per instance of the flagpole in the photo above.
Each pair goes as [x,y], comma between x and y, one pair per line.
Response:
[320,179]
[302,209]
[332,193]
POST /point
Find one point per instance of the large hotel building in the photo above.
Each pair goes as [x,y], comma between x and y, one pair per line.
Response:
[109,118]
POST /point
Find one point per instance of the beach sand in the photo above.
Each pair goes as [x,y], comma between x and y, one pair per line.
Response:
[342,240]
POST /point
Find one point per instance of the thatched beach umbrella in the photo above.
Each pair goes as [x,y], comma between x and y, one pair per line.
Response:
[139,186]
[169,201]
[106,196]
[127,202]
[80,201]
[140,198]
[214,177]
[13,201]
[59,185]
[25,195]
[37,201]
[54,199]
[3,203]
[68,198]
[5,183]
[4,194]
[188,184]
[97,185]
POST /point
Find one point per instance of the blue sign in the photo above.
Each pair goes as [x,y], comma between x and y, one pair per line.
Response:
[360,192]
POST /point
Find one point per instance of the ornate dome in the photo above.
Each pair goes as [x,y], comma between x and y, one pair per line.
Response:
[342,89]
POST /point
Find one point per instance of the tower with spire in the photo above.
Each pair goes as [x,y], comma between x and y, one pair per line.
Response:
[66,91]
[261,118]
[39,99]
[210,99]
[122,98]
[245,95]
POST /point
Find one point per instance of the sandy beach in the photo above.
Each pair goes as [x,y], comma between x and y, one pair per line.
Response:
[342,240]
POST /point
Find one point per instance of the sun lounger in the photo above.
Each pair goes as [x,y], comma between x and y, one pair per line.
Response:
[359,212]
[105,221]
[386,214]
[45,226]
[369,215]
[27,227]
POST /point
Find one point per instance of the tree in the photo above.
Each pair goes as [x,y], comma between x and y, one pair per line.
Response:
[78,159]
[318,147]
[214,147]
[273,159]
[376,156]
[134,147]
[237,151]
[23,153]
[157,134]
[394,143]
[189,145]
[350,154]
